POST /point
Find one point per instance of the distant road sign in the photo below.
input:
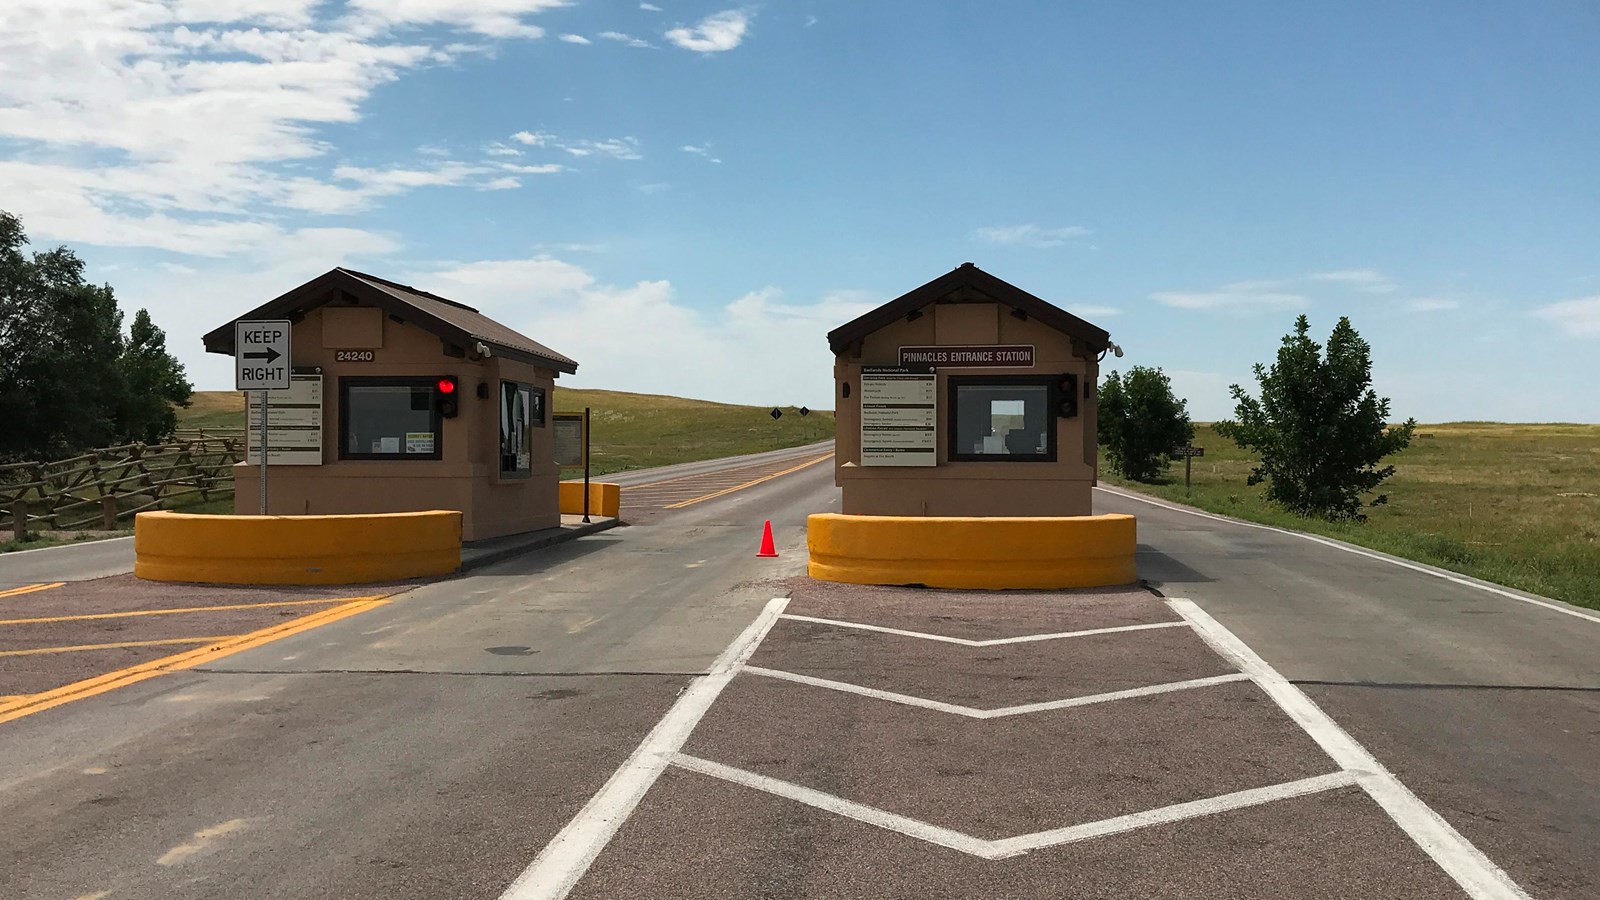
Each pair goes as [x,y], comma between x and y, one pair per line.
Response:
[261,355]
[776,414]
[1183,452]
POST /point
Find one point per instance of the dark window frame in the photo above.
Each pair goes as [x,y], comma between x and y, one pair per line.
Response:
[1052,421]
[533,391]
[412,381]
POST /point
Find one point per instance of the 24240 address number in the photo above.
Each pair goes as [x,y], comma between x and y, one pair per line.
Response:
[352,356]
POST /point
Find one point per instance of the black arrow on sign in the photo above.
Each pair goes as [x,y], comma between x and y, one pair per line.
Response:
[270,355]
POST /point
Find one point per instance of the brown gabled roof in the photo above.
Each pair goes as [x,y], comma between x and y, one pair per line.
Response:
[968,284]
[452,322]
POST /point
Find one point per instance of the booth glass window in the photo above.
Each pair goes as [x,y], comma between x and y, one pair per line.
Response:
[1001,418]
[521,411]
[388,418]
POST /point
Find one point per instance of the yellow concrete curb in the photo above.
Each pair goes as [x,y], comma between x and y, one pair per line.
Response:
[980,553]
[296,549]
[604,499]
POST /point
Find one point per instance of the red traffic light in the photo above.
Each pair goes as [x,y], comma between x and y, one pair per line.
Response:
[447,385]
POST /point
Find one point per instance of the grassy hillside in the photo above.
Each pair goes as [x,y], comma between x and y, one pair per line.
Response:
[631,431]
[1514,504]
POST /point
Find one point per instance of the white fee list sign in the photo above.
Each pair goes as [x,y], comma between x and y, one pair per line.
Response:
[899,416]
[261,355]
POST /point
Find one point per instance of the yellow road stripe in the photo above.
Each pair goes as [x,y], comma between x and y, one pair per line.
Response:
[740,487]
[79,648]
[29,588]
[172,612]
[188,659]
[11,697]
[711,474]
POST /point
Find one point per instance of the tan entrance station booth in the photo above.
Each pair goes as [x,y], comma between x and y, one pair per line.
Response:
[966,448]
[402,402]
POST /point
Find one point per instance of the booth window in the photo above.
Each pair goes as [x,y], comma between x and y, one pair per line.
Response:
[521,411]
[1001,418]
[388,418]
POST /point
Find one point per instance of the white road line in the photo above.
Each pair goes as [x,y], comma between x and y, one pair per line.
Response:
[839,806]
[1194,809]
[1025,843]
[557,868]
[1465,863]
[1452,577]
[993,642]
[1001,712]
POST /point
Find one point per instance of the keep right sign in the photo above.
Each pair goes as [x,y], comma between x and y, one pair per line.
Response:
[261,355]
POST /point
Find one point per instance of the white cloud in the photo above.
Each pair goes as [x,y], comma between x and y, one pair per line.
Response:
[499,149]
[616,148]
[274,261]
[1431,304]
[491,18]
[626,39]
[533,138]
[1370,281]
[1031,235]
[191,125]
[760,348]
[576,39]
[541,169]
[714,34]
[1239,296]
[650,6]
[810,21]
[1578,318]
[654,187]
[704,152]
[500,184]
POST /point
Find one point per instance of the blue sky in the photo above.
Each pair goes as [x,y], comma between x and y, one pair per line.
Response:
[686,198]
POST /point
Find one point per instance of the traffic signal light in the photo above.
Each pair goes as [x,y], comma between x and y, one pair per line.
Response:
[445,397]
[1067,395]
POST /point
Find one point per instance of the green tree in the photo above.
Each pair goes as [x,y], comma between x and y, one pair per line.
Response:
[69,379]
[1319,428]
[1141,421]
[155,383]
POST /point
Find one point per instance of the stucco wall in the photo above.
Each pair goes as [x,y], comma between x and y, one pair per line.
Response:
[466,478]
[988,488]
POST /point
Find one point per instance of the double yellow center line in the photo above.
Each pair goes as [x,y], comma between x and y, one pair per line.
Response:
[17,707]
[752,483]
[28,589]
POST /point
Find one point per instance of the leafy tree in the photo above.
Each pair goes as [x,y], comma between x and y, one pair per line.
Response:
[1141,421]
[155,383]
[1319,427]
[69,378]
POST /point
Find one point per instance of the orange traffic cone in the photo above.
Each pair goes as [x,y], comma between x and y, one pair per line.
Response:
[768,548]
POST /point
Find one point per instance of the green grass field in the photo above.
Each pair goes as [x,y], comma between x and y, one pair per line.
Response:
[1518,505]
[631,431]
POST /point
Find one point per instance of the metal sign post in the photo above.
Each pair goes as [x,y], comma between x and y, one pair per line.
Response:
[261,453]
[261,364]
[586,464]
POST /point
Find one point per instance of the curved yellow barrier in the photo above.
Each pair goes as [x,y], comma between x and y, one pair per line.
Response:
[171,546]
[604,499]
[984,553]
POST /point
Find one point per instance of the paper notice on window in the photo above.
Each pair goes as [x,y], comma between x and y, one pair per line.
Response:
[419,442]
[387,445]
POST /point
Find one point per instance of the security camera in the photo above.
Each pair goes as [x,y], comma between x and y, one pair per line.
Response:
[483,350]
[1117,350]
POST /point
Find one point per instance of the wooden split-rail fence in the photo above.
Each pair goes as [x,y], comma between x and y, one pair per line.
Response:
[104,489]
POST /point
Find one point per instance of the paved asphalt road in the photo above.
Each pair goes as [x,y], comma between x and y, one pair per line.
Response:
[70,562]
[432,747]
[1488,707]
